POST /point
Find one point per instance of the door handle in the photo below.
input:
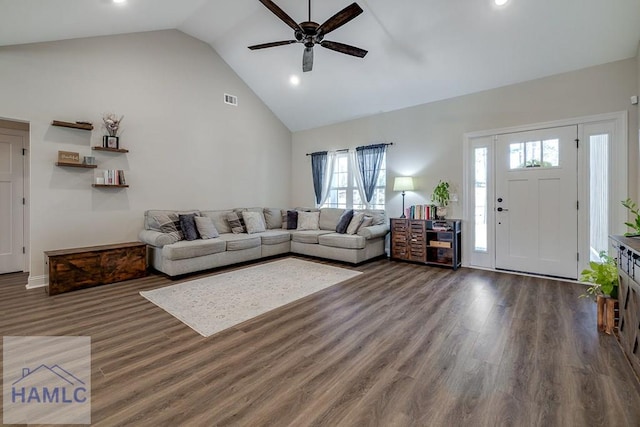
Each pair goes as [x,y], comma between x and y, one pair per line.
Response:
[503,210]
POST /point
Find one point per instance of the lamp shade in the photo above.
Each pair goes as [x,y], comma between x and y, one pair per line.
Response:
[403,183]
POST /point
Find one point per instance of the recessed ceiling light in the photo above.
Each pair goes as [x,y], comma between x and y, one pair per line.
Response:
[500,2]
[294,80]
[119,1]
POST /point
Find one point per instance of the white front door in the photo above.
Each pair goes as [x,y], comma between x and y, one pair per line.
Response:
[536,218]
[11,207]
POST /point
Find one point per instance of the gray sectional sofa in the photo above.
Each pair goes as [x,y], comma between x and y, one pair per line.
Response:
[169,253]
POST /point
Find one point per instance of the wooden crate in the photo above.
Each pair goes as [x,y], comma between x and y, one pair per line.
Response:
[608,314]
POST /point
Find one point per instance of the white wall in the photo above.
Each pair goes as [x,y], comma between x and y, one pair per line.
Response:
[428,139]
[187,148]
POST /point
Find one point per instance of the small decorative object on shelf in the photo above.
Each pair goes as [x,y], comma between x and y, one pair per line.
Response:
[112,126]
[68,157]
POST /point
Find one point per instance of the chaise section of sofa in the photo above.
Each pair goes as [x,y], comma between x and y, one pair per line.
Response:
[170,253]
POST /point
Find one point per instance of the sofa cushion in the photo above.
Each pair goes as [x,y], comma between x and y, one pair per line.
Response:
[274,237]
[379,216]
[236,242]
[272,218]
[346,241]
[308,236]
[254,222]
[344,221]
[308,220]
[188,226]
[205,227]
[190,249]
[219,219]
[329,218]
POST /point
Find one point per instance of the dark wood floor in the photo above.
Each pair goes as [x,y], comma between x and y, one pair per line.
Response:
[400,345]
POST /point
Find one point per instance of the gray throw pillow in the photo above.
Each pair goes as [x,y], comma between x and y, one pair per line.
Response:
[344,221]
[292,220]
[235,223]
[355,223]
[308,221]
[206,228]
[188,227]
[169,224]
[273,218]
[254,222]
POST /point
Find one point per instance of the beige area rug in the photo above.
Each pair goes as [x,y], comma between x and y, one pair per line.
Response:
[215,303]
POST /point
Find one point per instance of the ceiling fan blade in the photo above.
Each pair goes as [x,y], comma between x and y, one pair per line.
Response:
[344,48]
[307,59]
[272,44]
[281,14]
[340,18]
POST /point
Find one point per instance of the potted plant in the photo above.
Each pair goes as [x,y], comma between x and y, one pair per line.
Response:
[604,289]
[633,208]
[440,197]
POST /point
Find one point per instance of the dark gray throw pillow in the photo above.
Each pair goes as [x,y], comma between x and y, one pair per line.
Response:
[343,222]
[292,220]
[188,226]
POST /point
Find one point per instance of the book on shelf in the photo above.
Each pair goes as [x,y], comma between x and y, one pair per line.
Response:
[114,177]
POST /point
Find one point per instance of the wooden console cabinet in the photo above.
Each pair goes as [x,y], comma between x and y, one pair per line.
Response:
[416,240]
[628,257]
[72,269]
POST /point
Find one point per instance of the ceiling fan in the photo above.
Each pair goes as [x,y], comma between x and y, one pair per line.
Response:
[311,33]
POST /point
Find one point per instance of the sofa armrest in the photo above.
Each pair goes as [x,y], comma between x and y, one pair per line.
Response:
[374,231]
[156,238]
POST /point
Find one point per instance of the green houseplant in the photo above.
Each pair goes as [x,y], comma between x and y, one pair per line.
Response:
[635,225]
[441,198]
[603,276]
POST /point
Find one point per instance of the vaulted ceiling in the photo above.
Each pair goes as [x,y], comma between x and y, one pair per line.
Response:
[419,50]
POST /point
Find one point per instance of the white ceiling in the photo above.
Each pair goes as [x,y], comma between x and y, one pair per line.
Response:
[419,50]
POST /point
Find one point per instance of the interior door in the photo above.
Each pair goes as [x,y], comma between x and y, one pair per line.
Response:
[536,202]
[11,207]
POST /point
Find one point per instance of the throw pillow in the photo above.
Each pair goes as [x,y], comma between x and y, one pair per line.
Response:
[344,221]
[292,220]
[236,225]
[368,221]
[188,226]
[272,218]
[254,222]
[355,223]
[308,221]
[169,224]
[206,228]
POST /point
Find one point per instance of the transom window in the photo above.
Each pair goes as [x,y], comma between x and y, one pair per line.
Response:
[344,192]
[534,154]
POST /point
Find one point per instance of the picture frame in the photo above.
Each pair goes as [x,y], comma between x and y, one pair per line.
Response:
[111,141]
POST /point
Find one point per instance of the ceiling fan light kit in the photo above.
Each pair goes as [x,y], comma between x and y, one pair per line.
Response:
[310,33]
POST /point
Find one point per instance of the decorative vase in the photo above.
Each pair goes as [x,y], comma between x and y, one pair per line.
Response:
[441,212]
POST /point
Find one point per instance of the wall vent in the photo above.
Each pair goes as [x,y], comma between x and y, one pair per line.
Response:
[231,99]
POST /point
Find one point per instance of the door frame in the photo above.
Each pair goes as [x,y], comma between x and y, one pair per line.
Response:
[21,128]
[619,178]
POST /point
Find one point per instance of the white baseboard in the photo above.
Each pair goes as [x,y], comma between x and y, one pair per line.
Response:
[36,282]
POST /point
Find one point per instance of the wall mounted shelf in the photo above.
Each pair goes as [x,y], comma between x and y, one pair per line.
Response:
[76,165]
[82,126]
[109,186]
[112,150]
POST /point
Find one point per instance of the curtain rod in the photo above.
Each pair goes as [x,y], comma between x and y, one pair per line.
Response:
[347,149]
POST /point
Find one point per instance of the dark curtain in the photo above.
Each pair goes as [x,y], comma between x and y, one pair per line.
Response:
[318,168]
[369,162]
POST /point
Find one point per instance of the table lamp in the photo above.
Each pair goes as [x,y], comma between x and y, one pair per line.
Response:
[403,183]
